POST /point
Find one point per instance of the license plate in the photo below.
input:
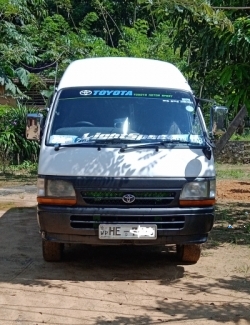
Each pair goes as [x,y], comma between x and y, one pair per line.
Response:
[127,231]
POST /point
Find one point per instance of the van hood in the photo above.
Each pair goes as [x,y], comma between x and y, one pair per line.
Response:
[110,162]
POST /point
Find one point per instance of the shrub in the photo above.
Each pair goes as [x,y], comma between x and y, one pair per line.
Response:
[14,148]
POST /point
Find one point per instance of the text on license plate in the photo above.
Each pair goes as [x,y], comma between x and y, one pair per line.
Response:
[131,231]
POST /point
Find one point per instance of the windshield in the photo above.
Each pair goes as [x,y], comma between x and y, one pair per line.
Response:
[128,115]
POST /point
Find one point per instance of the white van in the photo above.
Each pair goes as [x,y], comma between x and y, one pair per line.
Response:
[125,159]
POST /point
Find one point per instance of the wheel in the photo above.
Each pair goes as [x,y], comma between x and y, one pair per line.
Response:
[52,251]
[189,253]
[84,123]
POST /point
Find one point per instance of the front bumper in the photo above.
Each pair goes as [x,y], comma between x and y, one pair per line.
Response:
[80,224]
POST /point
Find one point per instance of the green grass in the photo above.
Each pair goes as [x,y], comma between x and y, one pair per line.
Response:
[231,174]
[226,171]
[24,174]
[244,137]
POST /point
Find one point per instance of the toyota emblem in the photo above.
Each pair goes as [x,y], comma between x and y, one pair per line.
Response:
[128,198]
[85,92]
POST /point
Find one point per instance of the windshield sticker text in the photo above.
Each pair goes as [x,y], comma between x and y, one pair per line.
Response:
[112,93]
[152,95]
[138,137]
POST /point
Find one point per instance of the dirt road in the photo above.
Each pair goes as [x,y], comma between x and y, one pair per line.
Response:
[123,285]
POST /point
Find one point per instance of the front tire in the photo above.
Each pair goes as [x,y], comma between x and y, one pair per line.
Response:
[189,253]
[52,251]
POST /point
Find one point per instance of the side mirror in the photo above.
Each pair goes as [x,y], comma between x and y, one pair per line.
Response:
[34,126]
[218,120]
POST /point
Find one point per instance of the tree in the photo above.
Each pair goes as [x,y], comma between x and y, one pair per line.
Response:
[216,43]
[15,48]
[108,16]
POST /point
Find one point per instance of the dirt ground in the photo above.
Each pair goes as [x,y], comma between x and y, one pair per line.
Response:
[124,285]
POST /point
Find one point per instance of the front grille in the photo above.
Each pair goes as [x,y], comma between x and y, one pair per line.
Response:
[148,198]
[162,222]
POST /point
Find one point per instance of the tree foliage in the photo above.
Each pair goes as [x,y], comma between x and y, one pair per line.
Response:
[216,45]
[15,47]
[211,45]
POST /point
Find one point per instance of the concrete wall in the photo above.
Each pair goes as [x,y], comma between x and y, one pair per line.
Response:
[235,152]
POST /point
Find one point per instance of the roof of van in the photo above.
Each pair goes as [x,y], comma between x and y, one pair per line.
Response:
[123,72]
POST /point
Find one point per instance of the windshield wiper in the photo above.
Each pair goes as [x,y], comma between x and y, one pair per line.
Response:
[96,143]
[74,144]
[155,144]
[142,144]
[123,146]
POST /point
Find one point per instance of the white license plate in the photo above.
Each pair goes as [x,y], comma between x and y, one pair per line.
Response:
[127,231]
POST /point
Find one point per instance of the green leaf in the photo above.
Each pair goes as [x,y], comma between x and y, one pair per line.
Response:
[226,75]
[10,87]
[23,76]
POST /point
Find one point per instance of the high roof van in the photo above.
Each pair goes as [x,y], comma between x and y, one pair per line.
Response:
[125,159]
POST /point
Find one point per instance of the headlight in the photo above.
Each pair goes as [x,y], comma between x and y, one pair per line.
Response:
[198,193]
[55,192]
[59,188]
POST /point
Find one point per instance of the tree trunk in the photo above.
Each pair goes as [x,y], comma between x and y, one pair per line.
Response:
[221,143]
